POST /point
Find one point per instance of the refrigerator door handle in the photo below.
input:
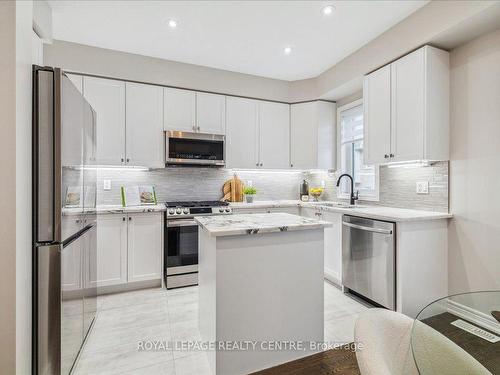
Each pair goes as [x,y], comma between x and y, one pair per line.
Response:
[48,305]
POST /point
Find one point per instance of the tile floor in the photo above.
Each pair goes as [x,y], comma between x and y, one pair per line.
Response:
[125,319]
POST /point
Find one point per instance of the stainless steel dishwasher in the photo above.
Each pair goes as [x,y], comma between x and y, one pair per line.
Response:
[369,259]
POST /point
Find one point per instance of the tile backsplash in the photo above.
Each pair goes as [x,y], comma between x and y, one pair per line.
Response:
[397,185]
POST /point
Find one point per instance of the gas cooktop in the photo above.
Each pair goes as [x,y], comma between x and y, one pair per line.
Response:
[187,209]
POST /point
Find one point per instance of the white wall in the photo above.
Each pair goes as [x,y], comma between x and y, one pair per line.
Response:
[474,233]
[24,59]
[100,61]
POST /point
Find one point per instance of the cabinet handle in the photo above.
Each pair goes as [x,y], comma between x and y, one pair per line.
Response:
[198,128]
[130,218]
[291,165]
[123,218]
[123,160]
[261,164]
[391,155]
[128,160]
[257,164]
[386,156]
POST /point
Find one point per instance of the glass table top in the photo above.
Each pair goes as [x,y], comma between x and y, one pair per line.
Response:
[458,334]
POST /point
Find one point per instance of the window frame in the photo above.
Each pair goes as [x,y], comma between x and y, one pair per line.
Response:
[376,196]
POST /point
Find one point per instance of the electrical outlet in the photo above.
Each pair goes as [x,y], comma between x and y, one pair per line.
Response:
[107,184]
[422,187]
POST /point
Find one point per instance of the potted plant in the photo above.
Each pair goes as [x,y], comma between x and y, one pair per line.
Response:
[249,192]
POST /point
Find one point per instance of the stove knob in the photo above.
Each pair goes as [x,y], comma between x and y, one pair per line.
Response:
[178,211]
[171,211]
[228,210]
[186,211]
[221,210]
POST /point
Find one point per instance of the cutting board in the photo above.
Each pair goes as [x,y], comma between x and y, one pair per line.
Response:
[232,190]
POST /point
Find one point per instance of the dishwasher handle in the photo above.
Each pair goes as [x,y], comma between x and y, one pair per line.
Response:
[369,229]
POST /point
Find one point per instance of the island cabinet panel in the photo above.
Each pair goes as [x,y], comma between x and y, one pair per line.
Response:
[210,113]
[111,251]
[312,135]
[107,98]
[406,109]
[179,108]
[144,246]
[241,132]
[333,247]
[144,127]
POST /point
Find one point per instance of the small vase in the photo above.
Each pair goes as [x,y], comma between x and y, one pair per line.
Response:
[249,198]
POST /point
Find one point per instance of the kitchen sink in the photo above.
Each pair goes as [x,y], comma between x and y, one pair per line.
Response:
[338,205]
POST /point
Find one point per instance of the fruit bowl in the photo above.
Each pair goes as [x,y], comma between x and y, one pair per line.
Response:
[316,192]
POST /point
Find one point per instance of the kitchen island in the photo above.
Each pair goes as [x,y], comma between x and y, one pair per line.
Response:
[261,286]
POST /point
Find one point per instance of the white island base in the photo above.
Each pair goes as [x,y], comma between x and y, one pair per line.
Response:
[264,288]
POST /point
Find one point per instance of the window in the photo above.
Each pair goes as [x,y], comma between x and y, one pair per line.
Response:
[350,123]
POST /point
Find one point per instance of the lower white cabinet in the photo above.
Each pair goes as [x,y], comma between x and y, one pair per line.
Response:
[111,251]
[144,246]
[129,248]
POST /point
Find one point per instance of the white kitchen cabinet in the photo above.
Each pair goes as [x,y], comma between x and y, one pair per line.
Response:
[179,109]
[415,123]
[210,113]
[107,97]
[37,49]
[377,116]
[333,246]
[274,135]
[144,128]
[77,80]
[312,135]
[111,251]
[144,246]
[241,133]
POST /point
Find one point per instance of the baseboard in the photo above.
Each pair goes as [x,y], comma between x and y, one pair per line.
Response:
[333,277]
[474,316]
[109,289]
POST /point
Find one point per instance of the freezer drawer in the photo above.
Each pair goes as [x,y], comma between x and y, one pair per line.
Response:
[368,259]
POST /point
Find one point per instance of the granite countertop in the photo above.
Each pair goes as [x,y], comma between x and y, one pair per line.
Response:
[374,212]
[241,224]
[111,209]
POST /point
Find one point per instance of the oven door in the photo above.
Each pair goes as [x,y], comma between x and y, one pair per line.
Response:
[181,246]
[194,149]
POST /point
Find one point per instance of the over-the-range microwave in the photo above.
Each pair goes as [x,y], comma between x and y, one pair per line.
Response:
[197,149]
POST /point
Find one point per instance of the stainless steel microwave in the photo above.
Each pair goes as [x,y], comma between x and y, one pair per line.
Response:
[197,149]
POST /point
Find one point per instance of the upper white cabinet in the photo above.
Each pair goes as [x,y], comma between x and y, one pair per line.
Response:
[377,116]
[144,246]
[77,80]
[241,133]
[107,97]
[144,128]
[312,135]
[179,110]
[274,135]
[407,109]
[257,134]
[210,113]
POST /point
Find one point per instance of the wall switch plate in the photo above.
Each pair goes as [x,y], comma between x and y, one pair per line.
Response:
[422,187]
[107,184]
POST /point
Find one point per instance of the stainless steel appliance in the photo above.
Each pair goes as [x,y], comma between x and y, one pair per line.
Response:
[368,259]
[181,239]
[64,221]
[184,148]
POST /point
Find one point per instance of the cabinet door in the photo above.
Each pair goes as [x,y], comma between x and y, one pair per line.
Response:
[179,108]
[210,113]
[241,131]
[377,116]
[303,136]
[408,90]
[111,251]
[107,97]
[144,246]
[274,135]
[144,128]
[77,80]
[333,247]
[37,49]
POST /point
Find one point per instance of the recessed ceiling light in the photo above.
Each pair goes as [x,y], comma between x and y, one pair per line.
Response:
[172,24]
[327,10]
[287,50]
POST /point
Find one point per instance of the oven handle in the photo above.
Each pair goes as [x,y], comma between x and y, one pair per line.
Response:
[181,223]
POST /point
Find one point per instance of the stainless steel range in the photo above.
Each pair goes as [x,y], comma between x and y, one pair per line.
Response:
[181,239]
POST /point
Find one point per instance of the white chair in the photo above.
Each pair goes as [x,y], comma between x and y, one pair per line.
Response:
[386,339]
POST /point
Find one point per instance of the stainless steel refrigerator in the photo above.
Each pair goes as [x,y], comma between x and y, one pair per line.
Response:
[64,221]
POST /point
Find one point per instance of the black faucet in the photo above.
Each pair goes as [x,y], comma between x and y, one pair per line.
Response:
[353,197]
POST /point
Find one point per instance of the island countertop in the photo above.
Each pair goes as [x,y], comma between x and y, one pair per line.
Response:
[242,224]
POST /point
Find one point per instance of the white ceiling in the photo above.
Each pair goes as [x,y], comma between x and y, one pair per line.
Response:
[241,36]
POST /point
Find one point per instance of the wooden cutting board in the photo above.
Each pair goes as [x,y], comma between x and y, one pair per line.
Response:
[232,190]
